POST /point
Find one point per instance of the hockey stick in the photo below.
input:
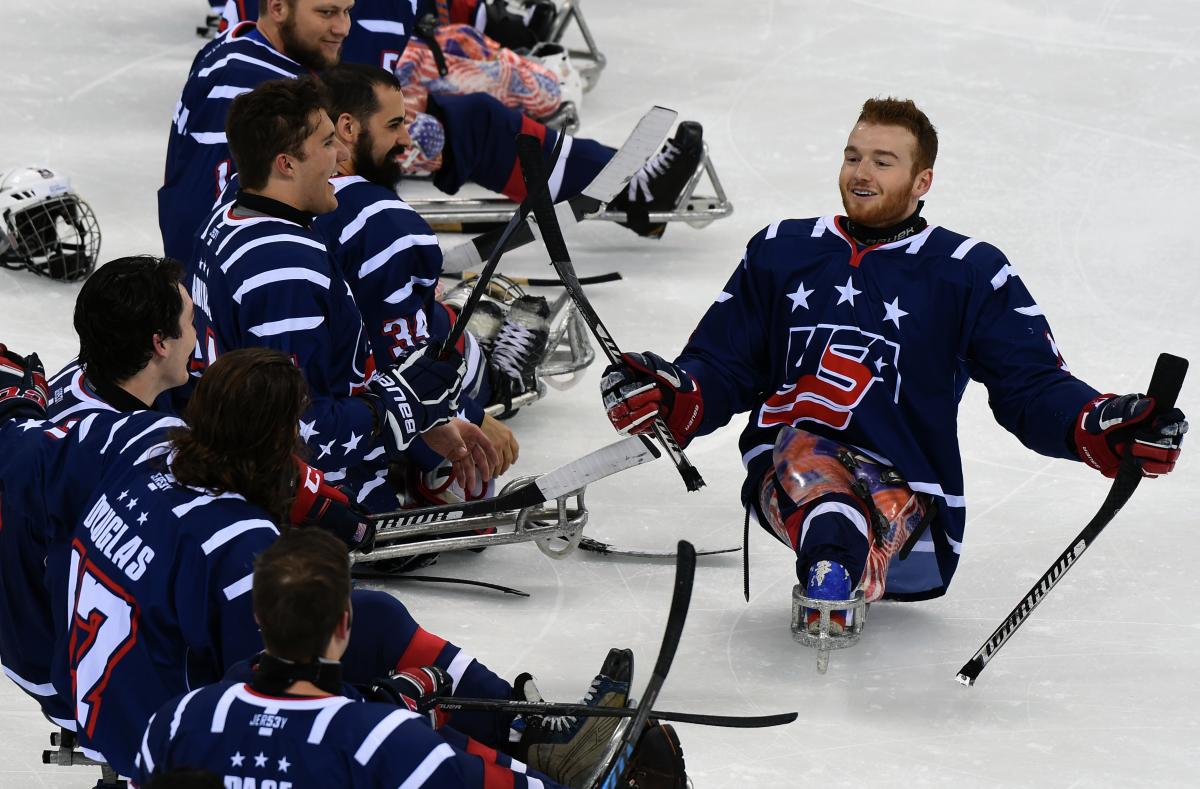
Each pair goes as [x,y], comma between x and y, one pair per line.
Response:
[1164,388]
[450,703]
[573,476]
[544,282]
[530,154]
[368,575]
[616,758]
[518,219]
[642,143]
[608,549]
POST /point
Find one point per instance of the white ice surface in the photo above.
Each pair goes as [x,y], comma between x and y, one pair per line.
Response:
[1069,139]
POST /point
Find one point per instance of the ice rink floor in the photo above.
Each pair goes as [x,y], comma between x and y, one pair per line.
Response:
[1069,138]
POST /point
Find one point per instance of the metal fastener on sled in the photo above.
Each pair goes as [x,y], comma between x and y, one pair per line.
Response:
[823,640]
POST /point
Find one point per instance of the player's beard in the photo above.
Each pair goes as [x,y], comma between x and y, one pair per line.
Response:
[886,210]
[311,57]
[386,172]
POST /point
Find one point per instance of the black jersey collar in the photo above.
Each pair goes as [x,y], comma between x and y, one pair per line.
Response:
[114,395]
[872,236]
[261,204]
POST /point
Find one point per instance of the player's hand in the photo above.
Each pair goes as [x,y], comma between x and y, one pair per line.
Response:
[643,386]
[1111,427]
[418,689]
[467,448]
[507,448]
[420,392]
[320,504]
[23,391]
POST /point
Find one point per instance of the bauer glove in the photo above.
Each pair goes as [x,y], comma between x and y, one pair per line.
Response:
[643,386]
[320,504]
[23,391]
[1111,427]
[418,689]
[418,393]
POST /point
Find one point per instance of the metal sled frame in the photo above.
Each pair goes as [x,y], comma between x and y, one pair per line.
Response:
[697,210]
[67,754]
[556,527]
[824,641]
[590,61]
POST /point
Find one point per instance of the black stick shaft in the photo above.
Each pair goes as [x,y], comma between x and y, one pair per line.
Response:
[1164,388]
[451,703]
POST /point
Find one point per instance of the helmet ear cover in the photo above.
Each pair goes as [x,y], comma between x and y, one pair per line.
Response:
[45,227]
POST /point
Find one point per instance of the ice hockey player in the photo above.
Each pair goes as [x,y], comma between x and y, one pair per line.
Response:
[157,573]
[298,37]
[391,258]
[262,278]
[850,339]
[294,721]
[134,321]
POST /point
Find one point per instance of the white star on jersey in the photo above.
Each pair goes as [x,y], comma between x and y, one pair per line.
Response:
[800,297]
[308,429]
[352,444]
[847,292]
[284,764]
[894,313]
[237,759]
[260,760]
[325,449]
[142,519]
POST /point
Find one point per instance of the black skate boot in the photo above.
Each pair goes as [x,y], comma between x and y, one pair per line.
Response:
[568,748]
[657,761]
[519,349]
[660,181]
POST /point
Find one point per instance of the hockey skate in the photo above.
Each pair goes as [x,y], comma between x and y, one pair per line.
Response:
[659,183]
[828,613]
[567,748]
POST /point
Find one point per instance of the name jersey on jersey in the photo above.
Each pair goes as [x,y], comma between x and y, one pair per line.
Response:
[291,742]
[48,472]
[873,347]
[199,164]
[263,281]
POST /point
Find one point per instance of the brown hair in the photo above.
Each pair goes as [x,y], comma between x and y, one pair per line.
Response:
[274,118]
[242,422]
[906,114]
[301,589]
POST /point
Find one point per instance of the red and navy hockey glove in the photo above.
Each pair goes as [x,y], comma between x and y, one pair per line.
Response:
[23,391]
[322,505]
[1111,427]
[643,386]
[418,689]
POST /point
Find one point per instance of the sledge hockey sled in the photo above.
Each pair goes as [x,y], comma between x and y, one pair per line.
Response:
[823,640]
[589,61]
[457,214]
[547,509]
[66,753]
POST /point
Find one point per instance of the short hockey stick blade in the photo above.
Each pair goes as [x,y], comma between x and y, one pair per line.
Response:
[608,549]
[548,227]
[642,143]
[1165,383]
[616,760]
[517,220]
[545,282]
[452,703]
[596,465]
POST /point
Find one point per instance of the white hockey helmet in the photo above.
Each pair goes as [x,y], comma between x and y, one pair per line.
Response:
[44,226]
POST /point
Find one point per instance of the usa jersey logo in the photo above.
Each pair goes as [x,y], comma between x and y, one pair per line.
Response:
[835,367]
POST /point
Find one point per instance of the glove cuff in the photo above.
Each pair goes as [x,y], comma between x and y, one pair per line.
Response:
[1094,448]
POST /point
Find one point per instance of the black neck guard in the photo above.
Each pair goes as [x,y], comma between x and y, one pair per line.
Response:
[261,204]
[114,395]
[273,676]
[870,236]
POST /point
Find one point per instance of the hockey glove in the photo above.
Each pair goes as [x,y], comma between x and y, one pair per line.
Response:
[418,689]
[23,391]
[327,507]
[418,393]
[1111,427]
[643,386]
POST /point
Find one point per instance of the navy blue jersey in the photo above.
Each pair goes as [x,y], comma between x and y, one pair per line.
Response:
[873,347]
[198,160]
[71,397]
[379,29]
[292,742]
[48,474]
[263,281]
[390,257]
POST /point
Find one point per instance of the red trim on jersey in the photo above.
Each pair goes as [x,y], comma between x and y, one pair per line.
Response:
[515,188]
[856,254]
[422,650]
